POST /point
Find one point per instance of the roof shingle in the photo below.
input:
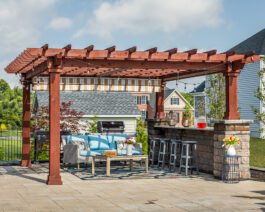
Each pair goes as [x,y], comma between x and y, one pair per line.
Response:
[99,103]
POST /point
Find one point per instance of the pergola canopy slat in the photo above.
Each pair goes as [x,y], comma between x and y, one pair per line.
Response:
[168,64]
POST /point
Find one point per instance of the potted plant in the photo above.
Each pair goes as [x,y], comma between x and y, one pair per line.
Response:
[230,143]
[129,141]
[186,120]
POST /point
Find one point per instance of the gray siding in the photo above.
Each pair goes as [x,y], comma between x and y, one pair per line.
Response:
[248,82]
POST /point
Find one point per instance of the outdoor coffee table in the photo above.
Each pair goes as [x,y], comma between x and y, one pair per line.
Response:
[131,158]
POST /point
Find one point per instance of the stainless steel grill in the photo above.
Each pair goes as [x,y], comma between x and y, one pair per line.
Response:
[110,126]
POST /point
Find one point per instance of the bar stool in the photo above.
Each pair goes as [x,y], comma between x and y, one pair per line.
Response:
[164,151]
[152,148]
[189,154]
[175,150]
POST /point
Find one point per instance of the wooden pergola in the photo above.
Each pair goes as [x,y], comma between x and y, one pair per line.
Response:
[150,64]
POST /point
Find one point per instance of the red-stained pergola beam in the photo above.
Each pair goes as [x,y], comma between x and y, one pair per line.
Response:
[26,123]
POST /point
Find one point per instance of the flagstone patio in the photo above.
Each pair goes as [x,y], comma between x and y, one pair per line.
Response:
[24,189]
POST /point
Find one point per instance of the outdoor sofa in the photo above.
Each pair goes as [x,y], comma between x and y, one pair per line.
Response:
[78,148]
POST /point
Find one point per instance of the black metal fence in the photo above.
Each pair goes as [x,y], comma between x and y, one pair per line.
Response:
[11,145]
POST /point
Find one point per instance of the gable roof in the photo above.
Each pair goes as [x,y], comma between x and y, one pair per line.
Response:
[200,88]
[99,103]
[254,43]
[167,92]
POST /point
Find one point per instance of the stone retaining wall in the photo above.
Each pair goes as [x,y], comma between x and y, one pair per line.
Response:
[257,173]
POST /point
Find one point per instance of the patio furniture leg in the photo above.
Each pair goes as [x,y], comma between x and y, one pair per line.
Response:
[93,166]
[108,166]
[187,159]
[146,165]
[131,165]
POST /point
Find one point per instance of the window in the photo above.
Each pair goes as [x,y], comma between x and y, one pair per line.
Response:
[174,101]
[144,114]
[135,99]
[143,100]
[177,117]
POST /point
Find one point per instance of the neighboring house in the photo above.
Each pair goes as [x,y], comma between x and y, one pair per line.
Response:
[108,106]
[249,81]
[173,101]
[199,100]
[142,100]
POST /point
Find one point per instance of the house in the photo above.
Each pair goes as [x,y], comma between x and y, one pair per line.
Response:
[173,101]
[199,101]
[249,81]
[108,106]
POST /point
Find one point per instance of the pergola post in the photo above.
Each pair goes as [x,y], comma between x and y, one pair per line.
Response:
[54,177]
[26,123]
[231,75]
[160,114]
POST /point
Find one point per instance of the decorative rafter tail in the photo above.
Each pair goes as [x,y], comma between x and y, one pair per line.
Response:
[230,53]
[172,51]
[132,49]
[191,51]
[249,54]
[152,50]
[111,49]
[211,52]
[89,48]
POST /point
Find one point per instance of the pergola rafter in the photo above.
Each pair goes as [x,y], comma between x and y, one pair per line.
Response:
[88,62]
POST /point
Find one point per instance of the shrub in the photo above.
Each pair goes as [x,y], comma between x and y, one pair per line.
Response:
[1,154]
[142,136]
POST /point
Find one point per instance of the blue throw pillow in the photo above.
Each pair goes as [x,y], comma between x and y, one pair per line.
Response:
[97,142]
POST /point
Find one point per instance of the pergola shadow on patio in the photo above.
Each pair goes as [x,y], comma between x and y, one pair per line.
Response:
[150,64]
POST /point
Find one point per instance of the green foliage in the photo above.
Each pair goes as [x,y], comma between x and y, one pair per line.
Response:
[142,136]
[257,152]
[93,125]
[216,96]
[1,154]
[10,105]
[187,111]
[188,97]
[260,94]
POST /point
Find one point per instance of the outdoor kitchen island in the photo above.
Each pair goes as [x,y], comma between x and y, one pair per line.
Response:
[209,142]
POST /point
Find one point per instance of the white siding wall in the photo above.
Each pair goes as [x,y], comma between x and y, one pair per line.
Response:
[248,82]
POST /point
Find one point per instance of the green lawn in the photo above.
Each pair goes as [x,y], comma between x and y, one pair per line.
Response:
[257,152]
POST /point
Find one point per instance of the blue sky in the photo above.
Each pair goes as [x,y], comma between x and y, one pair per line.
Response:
[185,24]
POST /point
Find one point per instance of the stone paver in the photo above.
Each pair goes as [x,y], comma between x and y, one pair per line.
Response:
[24,189]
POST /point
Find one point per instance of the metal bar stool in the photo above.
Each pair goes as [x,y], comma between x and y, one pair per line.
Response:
[164,151]
[189,154]
[152,148]
[175,151]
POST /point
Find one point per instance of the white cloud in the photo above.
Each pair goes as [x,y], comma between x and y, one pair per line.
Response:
[151,16]
[60,23]
[19,21]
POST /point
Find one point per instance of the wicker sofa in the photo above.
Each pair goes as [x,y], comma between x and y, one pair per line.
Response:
[79,148]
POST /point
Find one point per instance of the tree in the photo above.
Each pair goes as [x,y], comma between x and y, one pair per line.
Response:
[216,96]
[260,94]
[93,125]
[188,97]
[69,119]
[10,105]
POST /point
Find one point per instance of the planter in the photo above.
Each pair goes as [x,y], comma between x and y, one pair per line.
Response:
[231,151]
[129,149]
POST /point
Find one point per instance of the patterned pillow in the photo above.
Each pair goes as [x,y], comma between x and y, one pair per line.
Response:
[82,144]
[121,145]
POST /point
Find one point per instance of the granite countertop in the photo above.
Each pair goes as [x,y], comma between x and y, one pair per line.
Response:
[185,128]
